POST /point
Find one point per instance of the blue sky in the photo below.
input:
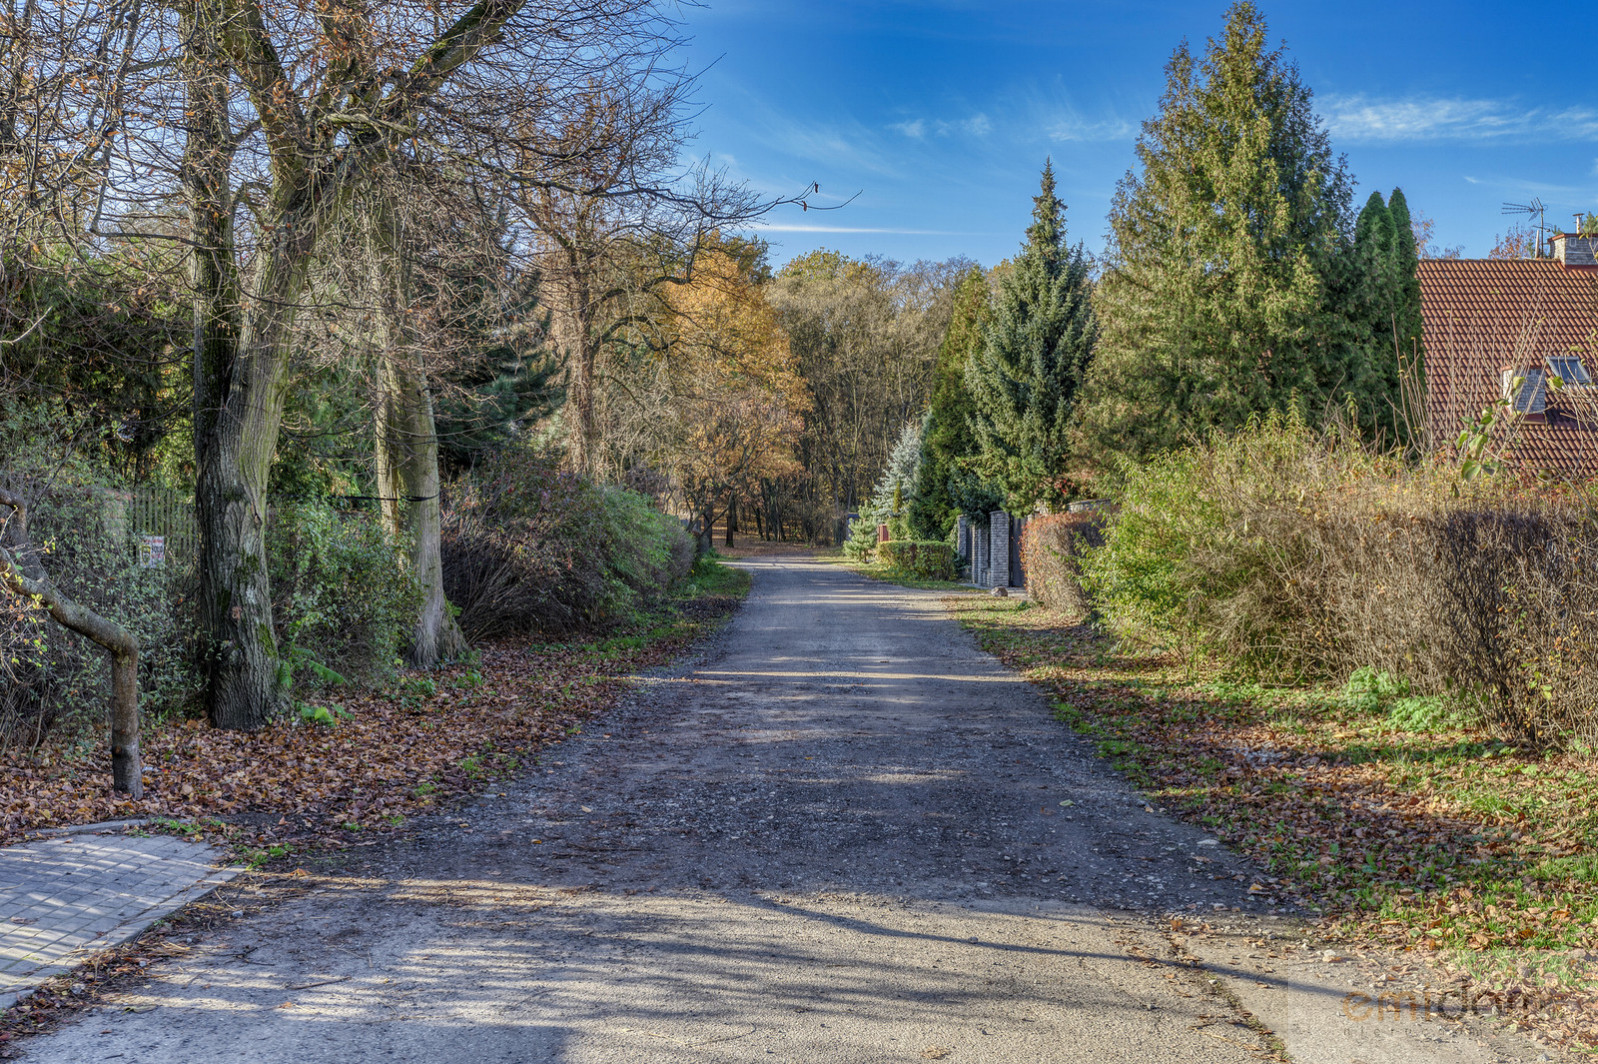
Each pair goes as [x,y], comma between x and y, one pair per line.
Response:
[940,114]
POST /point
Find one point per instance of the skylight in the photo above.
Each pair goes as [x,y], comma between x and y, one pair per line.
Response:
[1568,368]
[1532,396]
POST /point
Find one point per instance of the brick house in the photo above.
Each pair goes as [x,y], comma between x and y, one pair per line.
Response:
[1495,326]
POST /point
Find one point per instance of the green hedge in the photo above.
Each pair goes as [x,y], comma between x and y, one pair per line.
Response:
[923,559]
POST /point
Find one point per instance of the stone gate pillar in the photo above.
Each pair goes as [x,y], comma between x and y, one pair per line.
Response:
[999,567]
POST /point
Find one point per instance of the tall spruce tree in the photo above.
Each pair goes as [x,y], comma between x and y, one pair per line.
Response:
[1215,303]
[1025,375]
[948,440]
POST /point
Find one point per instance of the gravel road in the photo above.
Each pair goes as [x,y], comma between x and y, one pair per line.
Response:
[843,834]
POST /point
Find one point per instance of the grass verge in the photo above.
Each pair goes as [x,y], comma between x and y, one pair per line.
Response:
[1443,841]
[886,574]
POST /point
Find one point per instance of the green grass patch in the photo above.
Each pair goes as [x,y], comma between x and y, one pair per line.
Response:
[889,575]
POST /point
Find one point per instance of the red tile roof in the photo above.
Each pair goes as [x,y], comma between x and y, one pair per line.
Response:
[1483,316]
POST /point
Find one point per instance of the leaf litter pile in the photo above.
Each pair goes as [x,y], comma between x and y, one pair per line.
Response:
[376,756]
[1473,856]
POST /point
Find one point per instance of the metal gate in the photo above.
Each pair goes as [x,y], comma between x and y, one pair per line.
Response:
[1017,526]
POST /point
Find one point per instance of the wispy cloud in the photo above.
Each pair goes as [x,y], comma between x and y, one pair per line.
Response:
[852,146]
[1071,128]
[1373,119]
[977,125]
[1522,187]
[784,227]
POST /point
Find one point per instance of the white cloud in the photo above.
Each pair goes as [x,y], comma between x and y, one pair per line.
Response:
[847,144]
[1365,118]
[978,125]
[784,227]
[1061,120]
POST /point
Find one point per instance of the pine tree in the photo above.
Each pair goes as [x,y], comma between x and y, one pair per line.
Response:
[1024,377]
[948,440]
[1215,304]
[904,461]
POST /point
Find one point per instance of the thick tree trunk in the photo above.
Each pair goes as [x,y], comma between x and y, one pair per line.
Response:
[241,406]
[407,447]
[584,437]
[238,401]
[407,450]
[707,538]
[21,574]
[732,517]
[574,333]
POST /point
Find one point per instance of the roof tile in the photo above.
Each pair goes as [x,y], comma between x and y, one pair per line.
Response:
[1483,316]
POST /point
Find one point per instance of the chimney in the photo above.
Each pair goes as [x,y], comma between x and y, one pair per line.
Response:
[1571,249]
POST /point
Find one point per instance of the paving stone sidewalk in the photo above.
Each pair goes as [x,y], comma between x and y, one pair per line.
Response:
[65,898]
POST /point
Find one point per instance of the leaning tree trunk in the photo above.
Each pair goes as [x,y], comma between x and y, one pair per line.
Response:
[21,574]
[407,449]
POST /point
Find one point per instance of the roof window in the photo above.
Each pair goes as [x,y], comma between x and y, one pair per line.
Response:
[1532,395]
[1569,370]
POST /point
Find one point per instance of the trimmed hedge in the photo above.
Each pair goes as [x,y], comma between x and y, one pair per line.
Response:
[922,559]
[1052,549]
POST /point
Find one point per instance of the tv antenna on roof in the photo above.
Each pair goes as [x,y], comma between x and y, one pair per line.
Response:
[1534,207]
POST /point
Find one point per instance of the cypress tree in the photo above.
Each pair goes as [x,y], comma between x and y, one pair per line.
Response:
[1407,264]
[1024,376]
[1218,300]
[948,439]
[1383,312]
[1369,307]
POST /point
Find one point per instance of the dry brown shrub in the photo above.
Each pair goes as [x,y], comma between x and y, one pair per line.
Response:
[1295,556]
[1520,606]
[1052,546]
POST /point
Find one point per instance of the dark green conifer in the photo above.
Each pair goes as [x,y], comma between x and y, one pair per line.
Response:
[1024,377]
[1217,302]
[948,439]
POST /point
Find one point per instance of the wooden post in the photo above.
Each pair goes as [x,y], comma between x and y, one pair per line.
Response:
[23,575]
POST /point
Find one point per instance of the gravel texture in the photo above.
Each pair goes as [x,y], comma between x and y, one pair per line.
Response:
[841,834]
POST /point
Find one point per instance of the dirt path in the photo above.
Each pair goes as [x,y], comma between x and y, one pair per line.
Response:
[844,835]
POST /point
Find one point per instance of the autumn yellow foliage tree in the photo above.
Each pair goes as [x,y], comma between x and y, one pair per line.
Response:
[737,398]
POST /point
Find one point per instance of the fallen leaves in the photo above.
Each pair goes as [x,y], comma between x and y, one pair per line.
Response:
[402,751]
[1456,844]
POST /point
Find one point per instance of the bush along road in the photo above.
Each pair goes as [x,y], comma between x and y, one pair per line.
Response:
[841,832]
